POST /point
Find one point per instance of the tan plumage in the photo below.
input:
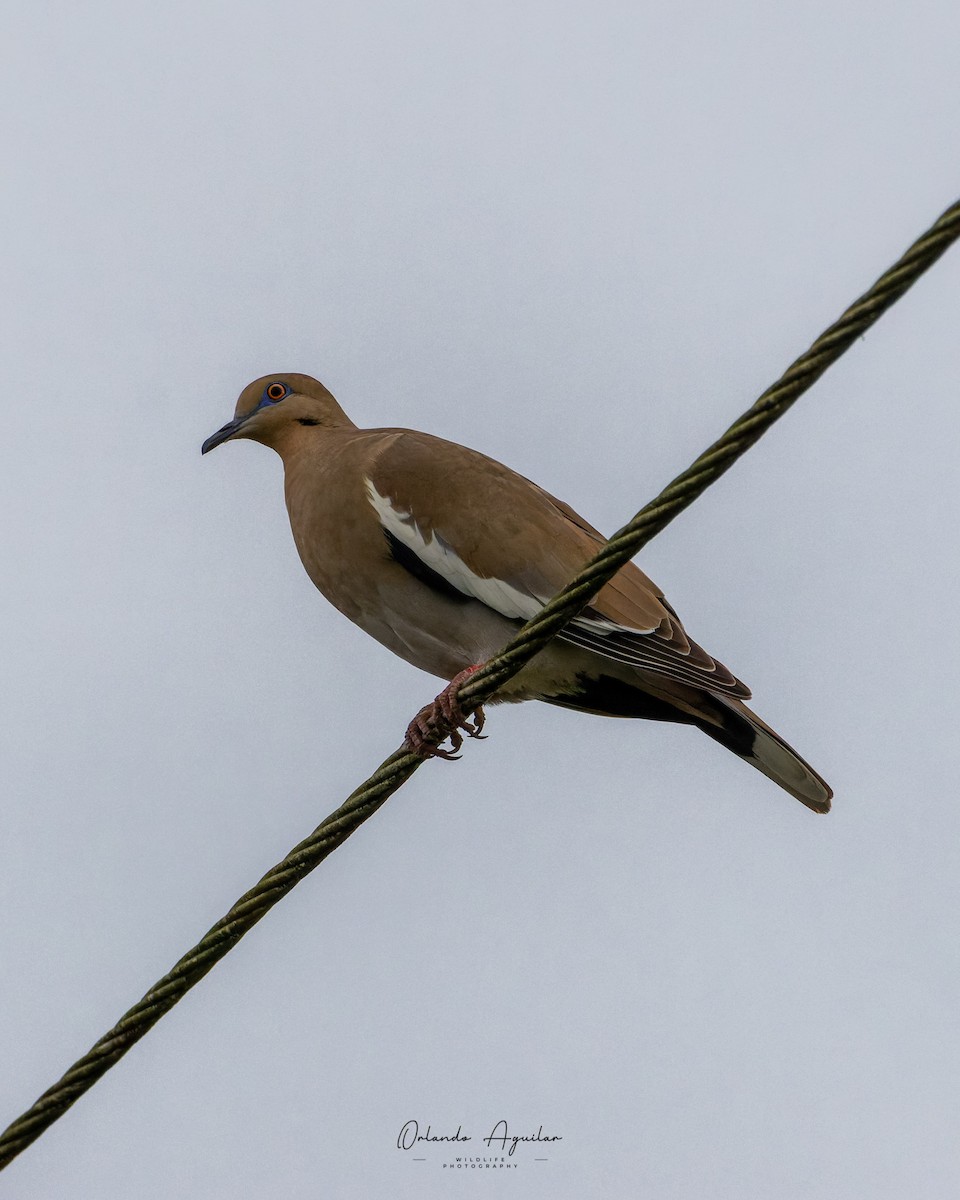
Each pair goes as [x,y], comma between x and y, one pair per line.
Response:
[440,553]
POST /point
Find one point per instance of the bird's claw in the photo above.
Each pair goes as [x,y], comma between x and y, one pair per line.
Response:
[442,719]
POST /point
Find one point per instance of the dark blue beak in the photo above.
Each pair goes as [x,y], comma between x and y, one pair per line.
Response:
[224,434]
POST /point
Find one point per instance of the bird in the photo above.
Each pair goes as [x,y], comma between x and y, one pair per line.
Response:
[441,553]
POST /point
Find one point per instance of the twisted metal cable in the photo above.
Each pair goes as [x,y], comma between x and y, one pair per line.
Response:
[714,461]
[396,769]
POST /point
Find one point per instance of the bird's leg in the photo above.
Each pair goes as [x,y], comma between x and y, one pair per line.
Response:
[444,718]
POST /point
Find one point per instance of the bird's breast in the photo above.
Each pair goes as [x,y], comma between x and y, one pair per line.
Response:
[349,556]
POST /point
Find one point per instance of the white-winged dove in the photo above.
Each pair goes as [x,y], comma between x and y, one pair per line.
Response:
[440,553]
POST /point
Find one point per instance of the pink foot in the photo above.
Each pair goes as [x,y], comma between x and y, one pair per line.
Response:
[442,719]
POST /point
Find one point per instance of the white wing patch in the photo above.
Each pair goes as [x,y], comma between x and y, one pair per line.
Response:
[439,556]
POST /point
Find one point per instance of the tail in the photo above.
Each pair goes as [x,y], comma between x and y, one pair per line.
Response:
[724,718]
[741,730]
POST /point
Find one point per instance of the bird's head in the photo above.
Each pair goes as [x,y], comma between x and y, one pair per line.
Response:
[274,407]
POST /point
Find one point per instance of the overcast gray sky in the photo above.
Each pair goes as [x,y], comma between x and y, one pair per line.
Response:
[580,238]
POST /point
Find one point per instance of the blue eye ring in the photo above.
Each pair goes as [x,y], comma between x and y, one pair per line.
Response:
[274,392]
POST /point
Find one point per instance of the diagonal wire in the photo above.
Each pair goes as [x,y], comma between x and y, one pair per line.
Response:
[395,770]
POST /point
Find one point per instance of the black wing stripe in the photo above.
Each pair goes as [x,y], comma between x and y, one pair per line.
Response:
[415,566]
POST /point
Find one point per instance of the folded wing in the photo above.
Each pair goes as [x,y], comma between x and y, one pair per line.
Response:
[492,535]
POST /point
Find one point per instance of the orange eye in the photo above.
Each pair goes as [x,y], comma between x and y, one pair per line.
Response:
[276,391]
